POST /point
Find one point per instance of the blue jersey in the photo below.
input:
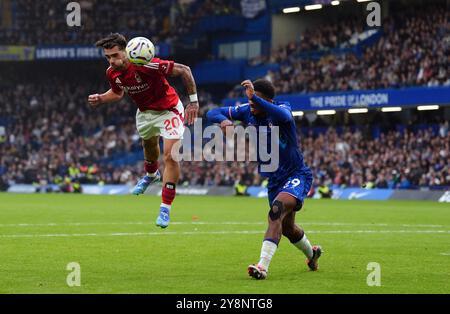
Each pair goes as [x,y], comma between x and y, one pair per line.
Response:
[290,157]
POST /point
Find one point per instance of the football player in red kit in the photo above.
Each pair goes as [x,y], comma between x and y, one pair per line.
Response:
[160,112]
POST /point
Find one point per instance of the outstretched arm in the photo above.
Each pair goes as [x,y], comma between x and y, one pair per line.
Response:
[217,115]
[279,113]
[220,115]
[186,75]
[96,100]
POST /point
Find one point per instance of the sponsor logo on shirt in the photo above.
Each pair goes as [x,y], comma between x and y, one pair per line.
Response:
[135,89]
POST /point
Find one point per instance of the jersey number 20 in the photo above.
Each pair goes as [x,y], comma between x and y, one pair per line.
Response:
[174,123]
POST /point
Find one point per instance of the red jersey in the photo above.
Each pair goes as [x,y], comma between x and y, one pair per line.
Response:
[146,84]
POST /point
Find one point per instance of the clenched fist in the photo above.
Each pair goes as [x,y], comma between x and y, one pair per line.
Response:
[94,100]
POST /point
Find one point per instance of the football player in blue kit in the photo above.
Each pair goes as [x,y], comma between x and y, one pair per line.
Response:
[288,184]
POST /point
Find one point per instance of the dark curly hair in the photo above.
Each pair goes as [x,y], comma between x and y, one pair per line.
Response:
[112,40]
[265,87]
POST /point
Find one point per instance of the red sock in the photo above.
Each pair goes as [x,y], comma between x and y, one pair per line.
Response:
[151,166]
[168,193]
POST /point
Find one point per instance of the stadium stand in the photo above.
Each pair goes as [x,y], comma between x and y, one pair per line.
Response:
[48,129]
[48,133]
[161,20]
[412,51]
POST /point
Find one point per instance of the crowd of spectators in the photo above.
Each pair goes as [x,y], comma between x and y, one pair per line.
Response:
[49,134]
[397,159]
[47,128]
[44,22]
[414,50]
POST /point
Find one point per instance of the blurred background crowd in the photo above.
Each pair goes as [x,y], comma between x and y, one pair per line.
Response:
[48,134]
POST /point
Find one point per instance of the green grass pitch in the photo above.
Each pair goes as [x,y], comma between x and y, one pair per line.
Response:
[210,243]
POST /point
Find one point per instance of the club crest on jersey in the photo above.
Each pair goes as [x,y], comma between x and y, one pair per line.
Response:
[138,78]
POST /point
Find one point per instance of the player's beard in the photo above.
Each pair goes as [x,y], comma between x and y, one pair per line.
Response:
[121,65]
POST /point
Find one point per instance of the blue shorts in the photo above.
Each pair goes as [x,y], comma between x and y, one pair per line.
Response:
[297,185]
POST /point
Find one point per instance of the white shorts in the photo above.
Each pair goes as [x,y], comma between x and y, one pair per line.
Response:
[168,123]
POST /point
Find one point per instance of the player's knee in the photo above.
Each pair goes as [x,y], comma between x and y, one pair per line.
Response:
[276,210]
[168,158]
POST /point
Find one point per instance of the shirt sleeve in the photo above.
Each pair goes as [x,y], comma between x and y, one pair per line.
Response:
[218,115]
[163,67]
[238,112]
[113,83]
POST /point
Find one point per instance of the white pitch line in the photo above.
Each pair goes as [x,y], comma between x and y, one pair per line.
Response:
[380,231]
[128,223]
[213,223]
[115,234]
[446,254]
[425,226]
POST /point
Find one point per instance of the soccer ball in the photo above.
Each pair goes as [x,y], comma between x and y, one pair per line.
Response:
[140,50]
